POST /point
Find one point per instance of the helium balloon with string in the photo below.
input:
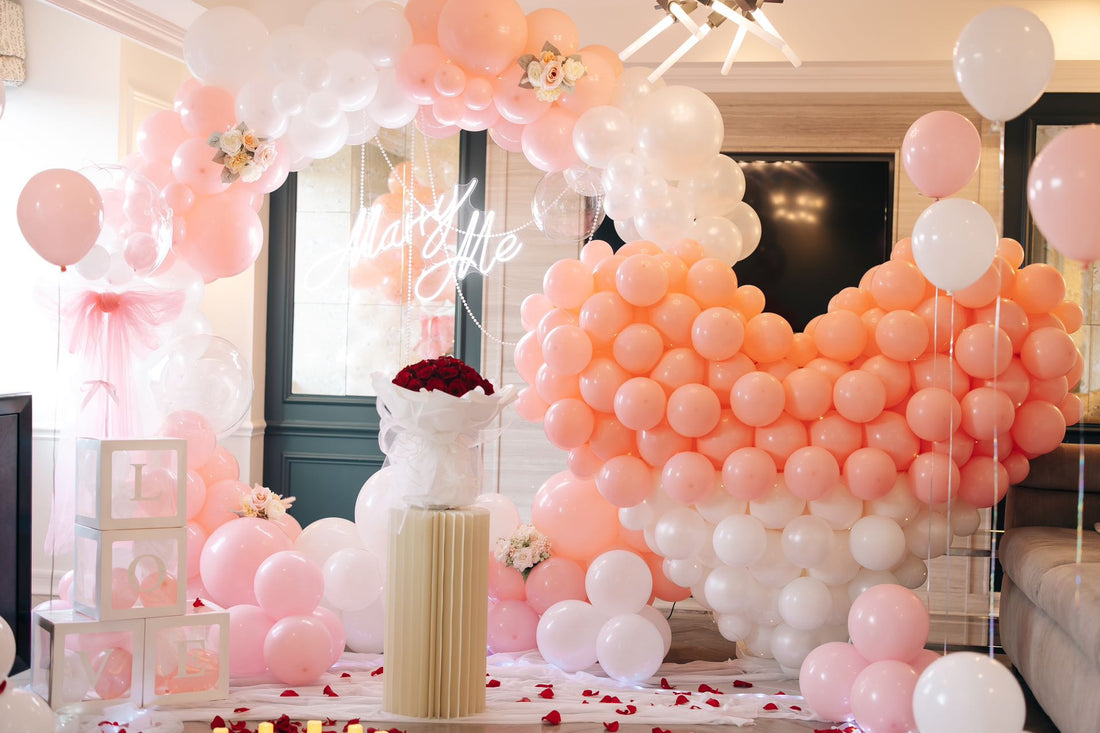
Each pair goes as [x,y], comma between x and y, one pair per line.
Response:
[1062,189]
[561,213]
[60,213]
[954,241]
[941,152]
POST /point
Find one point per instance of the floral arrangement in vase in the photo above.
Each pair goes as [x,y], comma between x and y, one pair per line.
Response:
[434,415]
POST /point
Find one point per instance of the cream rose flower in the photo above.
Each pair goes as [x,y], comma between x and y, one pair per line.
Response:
[552,75]
[230,142]
[548,95]
[249,139]
[258,498]
[534,73]
[236,162]
[275,508]
[573,70]
[251,172]
[266,154]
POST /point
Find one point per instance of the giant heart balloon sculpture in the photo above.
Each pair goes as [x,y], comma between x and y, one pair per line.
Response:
[780,474]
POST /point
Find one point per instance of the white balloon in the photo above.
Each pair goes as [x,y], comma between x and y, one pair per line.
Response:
[1003,60]
[354,79]
[747,222]
[629,648]
[601,133]
[633,87]
[353,579]
[95,263]
[868,579]
[911,572]
[680,533]
[289,48]
[877,543]
[7,648]
[838,616]
[627,230]
[790,646]
[727,589]
[773,569]
[334,21]
[667,222]
[22,711]
[954,242]
[256,107]
[718,505]
[840,567]
[366,628]
[716,187]
[372,510]
[390,108]
[655,617]
[759,642]
[839,508]
[567,632]
[967,692]
[623,173]
[777,507]
[740,539]
[733,626]
[684,573]
[928,535]
[289,97]
[679,129]
[637,517]
[323,538]
[964,519]
[899,504]
[805,603]
[322,108]
[720,238]
[503,516]
[223,46]
[807,541]
[314,141]
[618,581]
[361,127]
[382,33]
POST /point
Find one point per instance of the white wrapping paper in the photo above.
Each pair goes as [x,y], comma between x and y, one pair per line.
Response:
[431,441]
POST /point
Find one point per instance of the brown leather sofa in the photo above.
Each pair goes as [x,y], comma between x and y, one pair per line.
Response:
[1050,603]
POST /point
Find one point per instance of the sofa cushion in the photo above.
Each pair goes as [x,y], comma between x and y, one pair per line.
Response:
[1041,562]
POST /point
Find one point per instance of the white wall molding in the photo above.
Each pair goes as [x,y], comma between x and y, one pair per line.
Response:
[130,20]
[874,77]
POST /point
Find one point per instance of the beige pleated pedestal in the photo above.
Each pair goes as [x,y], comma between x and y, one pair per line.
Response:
[436,609]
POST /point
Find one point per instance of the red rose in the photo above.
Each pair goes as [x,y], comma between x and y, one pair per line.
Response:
[445,374]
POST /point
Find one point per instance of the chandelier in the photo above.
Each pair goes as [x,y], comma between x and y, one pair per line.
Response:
[747,15]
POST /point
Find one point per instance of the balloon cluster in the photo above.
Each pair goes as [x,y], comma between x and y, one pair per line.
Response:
[19,709]
[779,474]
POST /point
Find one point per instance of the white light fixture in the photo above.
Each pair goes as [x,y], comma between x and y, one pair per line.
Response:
[745,14]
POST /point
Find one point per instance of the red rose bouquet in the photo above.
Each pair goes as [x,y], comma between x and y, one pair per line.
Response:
[434,415]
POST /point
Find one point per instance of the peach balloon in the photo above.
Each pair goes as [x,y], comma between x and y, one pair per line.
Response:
[532,309]
[939,371]
[687,477]
[859,396]
[624,481]
[638,348]
[721,375]
[749,473]
[998,280]
[567,349]
[802,350]
[890,433]
[485,36]
[640,403]
[1012,251]
[674,316]
[851,299]
[933,414]
[676,268]
[1048,353]
[547,25]
[982,482]
[808,394]
[552,386]
[1070,314]
[811,472]
[583,463]
[840,335]
[986,412]
[548,141]
[1072,409]
[222,466]
[1039,428]
[679,367]
[933,477]
[693,410]
[599,381]
[833,370]
[567,283]
[836,434]
[527,356]
[757,399]
[711,282]
[518,106]
[728,435]
[1049,390]
[656,445]
[611,438]
[959,447]
[223,499]
[530,406]
[568,423]
[944,318]
[897,285]
[870,473]
[768,337]
[1009,317]
[902,335]
[423,16]
[641,280]
[749,300]
[983,350]
[604,315]
[579,522]
[1039,288]
[781,438]
[717,333]
[894,375]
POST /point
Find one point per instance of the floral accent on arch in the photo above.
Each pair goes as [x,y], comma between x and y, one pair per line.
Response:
[525,549]
[244,154]
[263,503]
[550,73]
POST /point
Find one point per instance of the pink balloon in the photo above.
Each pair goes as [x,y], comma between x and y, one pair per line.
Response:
[512,627]
[275,174]
[599,382]
[933,414]
[693,410]
[223,500]
[193,164]
[870,473]
[335,628]
[579,522]
[826,679]
[554,580]
[811,472]
[567,349]
[159,136]
[1062,190]
[749,473]
[568,423]
[641,280]
[657,444]
[205,110]
[507,135]
[548,141]
[288,584]
[888,622]
[595,89]
[933,477]
[222,466]
[289,525]
[196,430]
[640,403]
[114,668]
[196,537]
[859,396]
[248,627]
[505,582]
[941,152]
[638,348]
[517,105]
[982,482]
[298,649]
[882,697]
[416,71]
[547,25]
[757,399]
[223,238]
[485,36]
[60,213]
[423,17]
[233,553]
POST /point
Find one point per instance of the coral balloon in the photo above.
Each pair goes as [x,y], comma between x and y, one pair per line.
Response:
[941,152]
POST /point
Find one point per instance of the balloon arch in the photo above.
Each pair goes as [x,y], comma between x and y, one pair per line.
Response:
[772,475]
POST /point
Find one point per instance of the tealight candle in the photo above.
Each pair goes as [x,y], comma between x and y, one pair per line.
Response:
[313,726]
[355,728]
[266,728]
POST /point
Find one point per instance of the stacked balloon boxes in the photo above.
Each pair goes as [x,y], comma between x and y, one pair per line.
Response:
[131,635]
